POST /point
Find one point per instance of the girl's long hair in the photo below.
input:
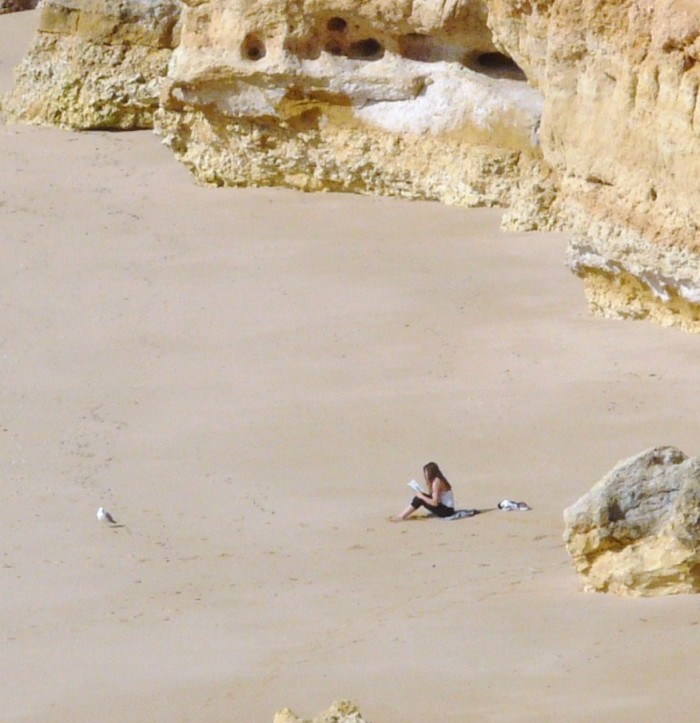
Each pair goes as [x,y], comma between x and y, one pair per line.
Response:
[433,472]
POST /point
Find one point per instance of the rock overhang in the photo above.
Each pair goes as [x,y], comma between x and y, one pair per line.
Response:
[362,94]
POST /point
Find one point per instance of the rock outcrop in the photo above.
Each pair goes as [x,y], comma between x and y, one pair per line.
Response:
[637,531]
[400,98]
[342,711]
[95,64]
[621,133]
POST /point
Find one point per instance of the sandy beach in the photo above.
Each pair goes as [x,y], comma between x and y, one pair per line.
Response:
[247,379]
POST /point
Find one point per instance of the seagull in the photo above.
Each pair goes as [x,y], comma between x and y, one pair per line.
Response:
[104,516]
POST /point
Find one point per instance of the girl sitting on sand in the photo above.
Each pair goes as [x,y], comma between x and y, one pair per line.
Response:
[440,502]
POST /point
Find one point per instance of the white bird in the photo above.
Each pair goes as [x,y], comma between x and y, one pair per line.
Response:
[104,516]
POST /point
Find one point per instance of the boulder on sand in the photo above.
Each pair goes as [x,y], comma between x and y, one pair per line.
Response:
[342,711]
[637,531]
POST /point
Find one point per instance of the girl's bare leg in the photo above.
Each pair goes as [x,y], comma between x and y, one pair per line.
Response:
[405,514]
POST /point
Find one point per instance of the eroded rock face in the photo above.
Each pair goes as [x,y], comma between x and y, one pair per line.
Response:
[342,711]
[401,98]
[621,132]
[95,64]
[637,531]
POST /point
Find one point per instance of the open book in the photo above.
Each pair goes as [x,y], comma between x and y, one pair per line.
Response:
[416,487]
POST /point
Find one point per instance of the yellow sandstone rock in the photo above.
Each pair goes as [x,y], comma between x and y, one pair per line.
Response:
[637,531]
[621,133]
[620,294]
[95,64]
[400,98]
[342,711]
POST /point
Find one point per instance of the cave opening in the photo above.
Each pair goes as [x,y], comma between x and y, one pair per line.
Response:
[495,65]
[253,47]
[366,49]
[429,49]
[337,25]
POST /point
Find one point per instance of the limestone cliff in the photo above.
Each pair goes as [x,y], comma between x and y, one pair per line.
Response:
[621,131]
[95,64]
[399,97]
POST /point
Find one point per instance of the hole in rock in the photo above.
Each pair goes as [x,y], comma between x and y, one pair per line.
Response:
[253,48]
[337,25]
[615,513]
[497,65]
[367,49]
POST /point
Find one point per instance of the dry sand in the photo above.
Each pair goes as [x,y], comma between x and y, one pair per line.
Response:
[247,379]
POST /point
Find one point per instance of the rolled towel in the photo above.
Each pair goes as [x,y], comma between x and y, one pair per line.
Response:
[510,506]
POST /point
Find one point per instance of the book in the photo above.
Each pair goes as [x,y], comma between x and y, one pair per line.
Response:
[416,487]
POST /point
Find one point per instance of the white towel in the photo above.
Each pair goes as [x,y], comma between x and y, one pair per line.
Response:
[510,506]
